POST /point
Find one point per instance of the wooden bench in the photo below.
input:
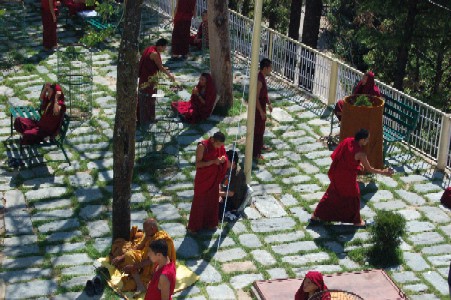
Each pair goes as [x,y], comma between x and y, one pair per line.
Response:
[399,121]
[57,140]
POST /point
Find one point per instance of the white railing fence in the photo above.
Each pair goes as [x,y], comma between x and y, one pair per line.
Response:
[329,80]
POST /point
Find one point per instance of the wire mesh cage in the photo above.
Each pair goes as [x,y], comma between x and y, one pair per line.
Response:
[75,76]
[334,294]
[150,20]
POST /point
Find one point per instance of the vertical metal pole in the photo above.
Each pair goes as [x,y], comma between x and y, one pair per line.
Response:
[253,90]
[443,150]
[333,82]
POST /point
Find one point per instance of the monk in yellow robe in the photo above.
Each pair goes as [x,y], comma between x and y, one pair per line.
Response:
[132,257]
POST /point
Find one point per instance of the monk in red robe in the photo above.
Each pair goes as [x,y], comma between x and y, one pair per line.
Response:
[149,65]
[200,39]
[211,167]
[366,86]
[75,6]
[313,283]
[184,12]
[260,112]
[49,12]
[200,106]
[341,202]
[52,114]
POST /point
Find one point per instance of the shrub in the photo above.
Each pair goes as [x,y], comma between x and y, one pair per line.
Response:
[363,100]
[386,234]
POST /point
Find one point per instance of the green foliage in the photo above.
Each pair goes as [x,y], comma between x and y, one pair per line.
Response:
[94,37]
[386,235]
[363,100]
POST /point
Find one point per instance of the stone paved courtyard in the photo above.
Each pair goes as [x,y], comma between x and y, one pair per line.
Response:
[56,217]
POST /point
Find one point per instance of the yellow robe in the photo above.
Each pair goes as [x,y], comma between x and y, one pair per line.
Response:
[136,256]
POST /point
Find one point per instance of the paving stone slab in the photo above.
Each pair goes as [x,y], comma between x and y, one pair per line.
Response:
[440,260]
[308,168]
[296,179]
[43,182]
[418,226]
[263,257]
[21,250]
[300,272]
[277,273]
[71,260]
[189,291]
[281,115]
[99,228]
[23,262]
[296,247]
[165,212]
[283,238]
[409,214]
[264,189]
[62,248]
[264,176]
[306,258]
[205,270]
[417,287]
[174,229]
[81,179]
[285,172]
[427,187]
[229,255]
[18,224]
[268,206]
[44,193]
[423,297]
[90,211]
[63,236]
[35,288]
[76,281]
[59,225]
[435,214]
[243,280]
[242,266]
[413,178]
[306,188]
[224,243]
[52,204]
[288,200]
[250,240]
[437,249]
[387,181]
[222,291]
[426,238]
[186,247]
[411,198]
[406,276]
[415,261]
[52,214]
[273,224]
[378,196]
[390,205]
[447,230]
[85,195]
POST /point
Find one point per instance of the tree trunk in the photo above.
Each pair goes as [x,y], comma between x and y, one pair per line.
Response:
[312,18]
[220,64]
[405,43]
[125,120]
[295,19]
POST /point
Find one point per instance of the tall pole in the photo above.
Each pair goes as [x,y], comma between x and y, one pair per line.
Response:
[253,89]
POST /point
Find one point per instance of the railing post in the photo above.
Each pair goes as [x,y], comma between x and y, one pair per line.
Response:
[443,150]
[270,33]
[333,80]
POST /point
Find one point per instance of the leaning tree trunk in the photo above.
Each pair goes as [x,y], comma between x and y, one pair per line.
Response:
[219,42]
[312,18]
[295,19]
[404,46]
[125,120]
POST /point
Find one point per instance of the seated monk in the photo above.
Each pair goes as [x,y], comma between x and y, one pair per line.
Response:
[52,113]
[200,106]
[366,86]
[201,37]
[132,257]
[75,6]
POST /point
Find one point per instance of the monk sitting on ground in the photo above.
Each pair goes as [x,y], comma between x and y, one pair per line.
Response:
[132,257]
[200,106]
[52,113]
[200,39]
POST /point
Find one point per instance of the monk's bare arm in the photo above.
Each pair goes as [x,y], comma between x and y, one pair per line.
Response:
[154,56]
[165,287]
[56,105]
[199,155]
[366,164]
[259,107]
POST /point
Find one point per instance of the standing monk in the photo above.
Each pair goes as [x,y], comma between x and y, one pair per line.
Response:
[52,113]
[341,202]
[149,64]
[49,11]
[260,112]
[132,257]
[200,39]
[184,11]
[211,167]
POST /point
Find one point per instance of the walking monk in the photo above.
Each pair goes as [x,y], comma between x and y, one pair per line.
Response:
[149,64]
[341,202]
[132,257]
[49,11]
[52,114]
[184,12]
[211,167]
[260,112]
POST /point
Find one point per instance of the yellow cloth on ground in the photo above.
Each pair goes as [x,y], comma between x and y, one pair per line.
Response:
[184,277]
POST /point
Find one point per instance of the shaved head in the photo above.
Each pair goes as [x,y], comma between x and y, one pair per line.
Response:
[150,226]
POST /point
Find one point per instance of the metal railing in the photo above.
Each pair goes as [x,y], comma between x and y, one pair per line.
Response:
[328,80]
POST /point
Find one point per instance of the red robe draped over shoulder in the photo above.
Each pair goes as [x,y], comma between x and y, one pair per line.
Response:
[205,204]
[341,202]
[369,88]
[49,39]
[259,129]
[147,69]
[194,111]
[182,24]
[153,293]
[317,278]
[48,125]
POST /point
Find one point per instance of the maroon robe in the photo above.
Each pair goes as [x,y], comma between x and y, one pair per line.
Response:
[153,293]
[259,129]
[205,204]
[147,69]
[317,278]
[201,37]
[49,39]
[182,24]
[341,202]
[369,88]
[33,131]
[76,7]
[194,111]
